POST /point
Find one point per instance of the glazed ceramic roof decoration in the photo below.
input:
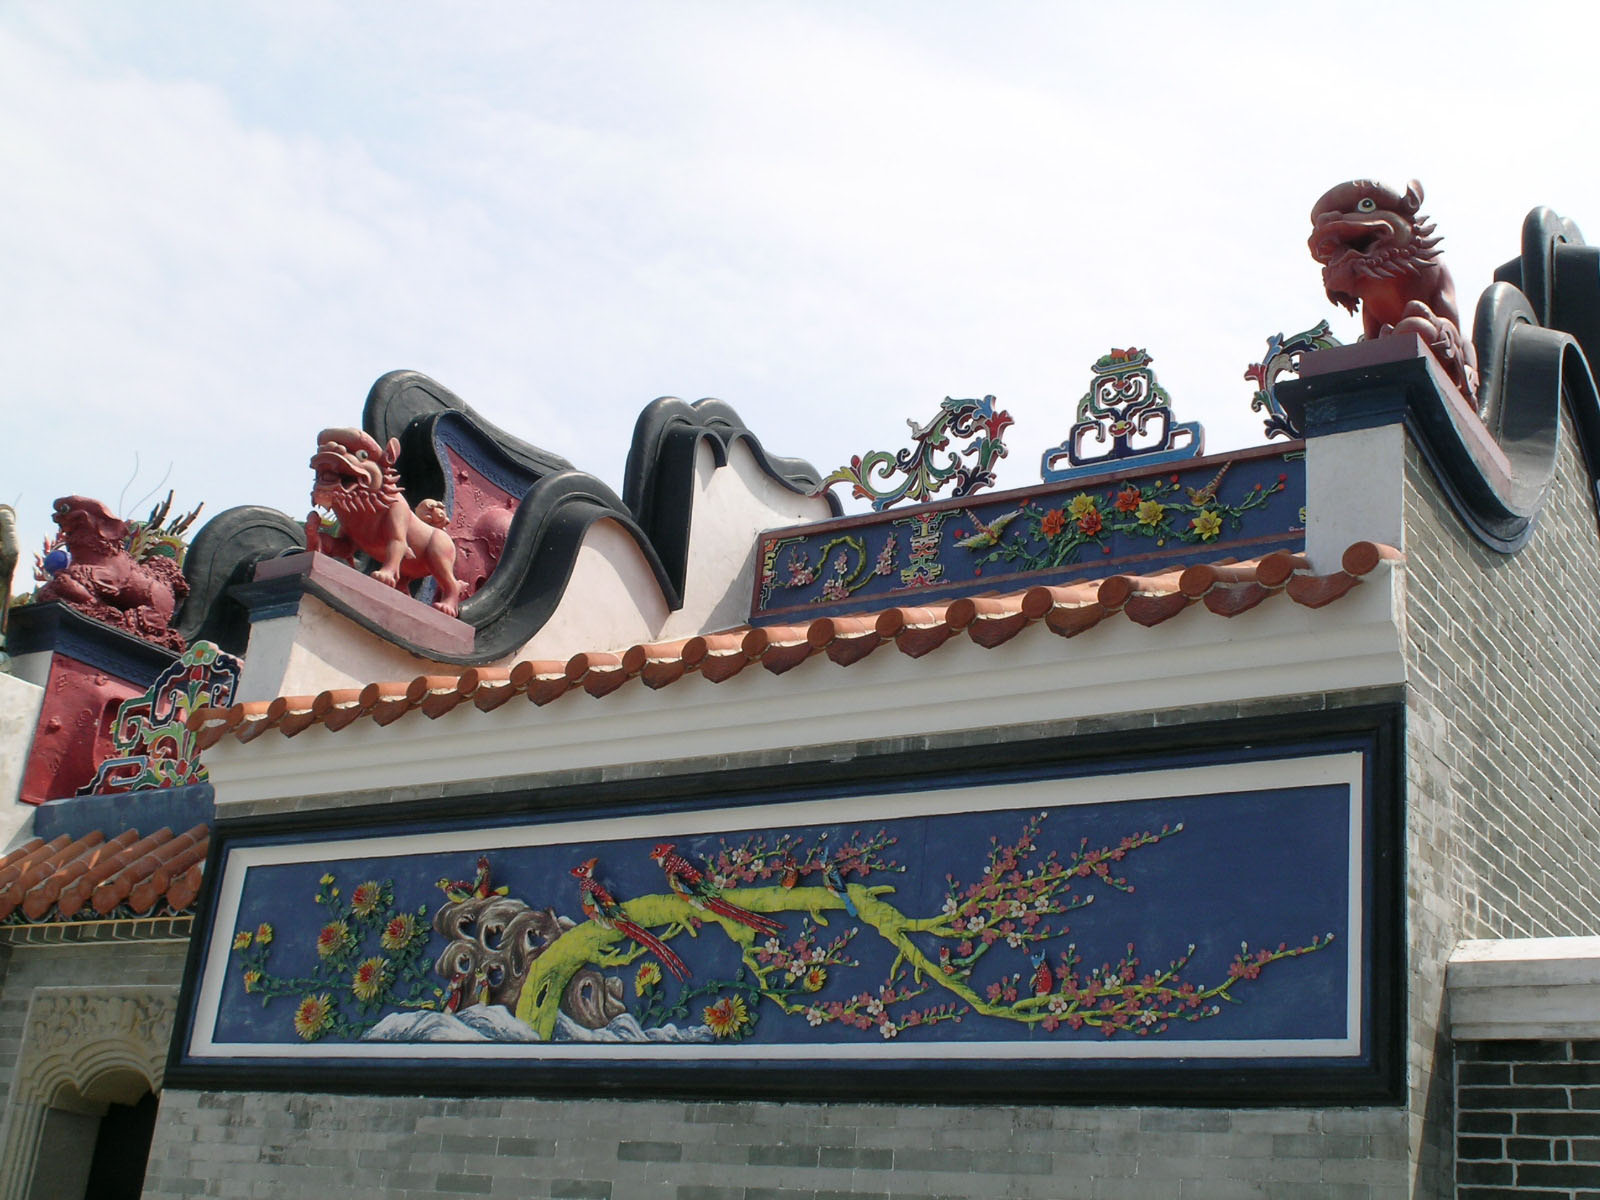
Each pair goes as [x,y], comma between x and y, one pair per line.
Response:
[1225,589]
[1283,358]
[529,519]
[925,475]
[1536,331]
[1138,519]
[358,487]
[151,739]
[125,573]
[711,531]
[1125,415]
[1379,254]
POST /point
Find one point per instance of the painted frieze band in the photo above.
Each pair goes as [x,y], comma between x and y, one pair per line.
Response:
[1246,504]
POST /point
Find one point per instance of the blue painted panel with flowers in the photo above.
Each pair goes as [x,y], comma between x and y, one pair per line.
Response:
[1079,919]
[1237,506]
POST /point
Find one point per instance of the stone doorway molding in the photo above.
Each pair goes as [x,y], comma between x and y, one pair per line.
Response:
[82,1048]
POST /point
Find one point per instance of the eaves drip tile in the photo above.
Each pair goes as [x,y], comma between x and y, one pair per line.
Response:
[1225,589]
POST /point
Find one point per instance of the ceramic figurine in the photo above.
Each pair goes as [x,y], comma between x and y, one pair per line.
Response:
[358,484]
[1380,255]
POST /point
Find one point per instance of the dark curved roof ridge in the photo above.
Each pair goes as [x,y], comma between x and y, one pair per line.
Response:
[546,532]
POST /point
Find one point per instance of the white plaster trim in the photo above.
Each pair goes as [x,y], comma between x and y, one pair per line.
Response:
[76,1037]
[1196,658]
[1541,988]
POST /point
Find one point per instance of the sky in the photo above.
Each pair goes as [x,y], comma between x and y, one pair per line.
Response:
[220,223]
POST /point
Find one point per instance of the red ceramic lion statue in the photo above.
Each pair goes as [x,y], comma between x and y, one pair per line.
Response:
[103,580]
[358,484]
[1379,254]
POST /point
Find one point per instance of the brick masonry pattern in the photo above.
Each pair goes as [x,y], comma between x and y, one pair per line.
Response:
[238,1145]
[1503,756]
[1528,1120]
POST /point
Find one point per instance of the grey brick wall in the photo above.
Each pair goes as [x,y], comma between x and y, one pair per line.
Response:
[1503,756]
[234,1145]
[1528,1120]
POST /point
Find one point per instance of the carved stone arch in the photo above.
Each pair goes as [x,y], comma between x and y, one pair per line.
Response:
[82,1049]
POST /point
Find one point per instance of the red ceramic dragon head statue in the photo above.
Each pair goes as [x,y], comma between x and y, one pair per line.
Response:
[357,482]
[1379,254]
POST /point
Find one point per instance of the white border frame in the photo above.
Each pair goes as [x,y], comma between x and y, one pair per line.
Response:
[1346,768]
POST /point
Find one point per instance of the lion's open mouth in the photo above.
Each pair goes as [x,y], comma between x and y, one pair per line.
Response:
[342,480]
[1349,239]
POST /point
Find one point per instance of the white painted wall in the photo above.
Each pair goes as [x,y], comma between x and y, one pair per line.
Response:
[1355,492]
[20,702]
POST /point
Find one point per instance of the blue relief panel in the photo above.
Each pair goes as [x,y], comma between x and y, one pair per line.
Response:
[1243,505]
[1215,914]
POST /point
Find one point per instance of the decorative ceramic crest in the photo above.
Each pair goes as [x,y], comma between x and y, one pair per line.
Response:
[126,573]
[1380,254]
[1283,358]
[154,748]
[1129,414]
[924,475]
[358,484]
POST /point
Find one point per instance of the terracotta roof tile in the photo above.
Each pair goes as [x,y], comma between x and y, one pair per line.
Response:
[1224,589]
[119,888]
[336,709]
[489,687]
[780,649]
[387,702]
[38,899]
[435,695]
[54,881]
[717,656]
[988,620]
[75,896]
[38,867]
[845,640]
[598,672]
[542,681]
[658,664]
[915,631]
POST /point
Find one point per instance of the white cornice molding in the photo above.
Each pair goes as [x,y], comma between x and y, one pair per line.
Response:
[1521,988]
[1193,659]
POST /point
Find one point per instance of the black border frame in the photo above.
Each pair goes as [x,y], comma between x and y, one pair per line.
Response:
[1379,1078]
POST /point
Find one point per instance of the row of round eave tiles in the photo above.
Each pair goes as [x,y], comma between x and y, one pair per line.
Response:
[1226,589]
[103,874]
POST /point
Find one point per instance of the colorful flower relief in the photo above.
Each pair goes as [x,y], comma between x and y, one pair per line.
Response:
[1104,922]
[1156,519]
